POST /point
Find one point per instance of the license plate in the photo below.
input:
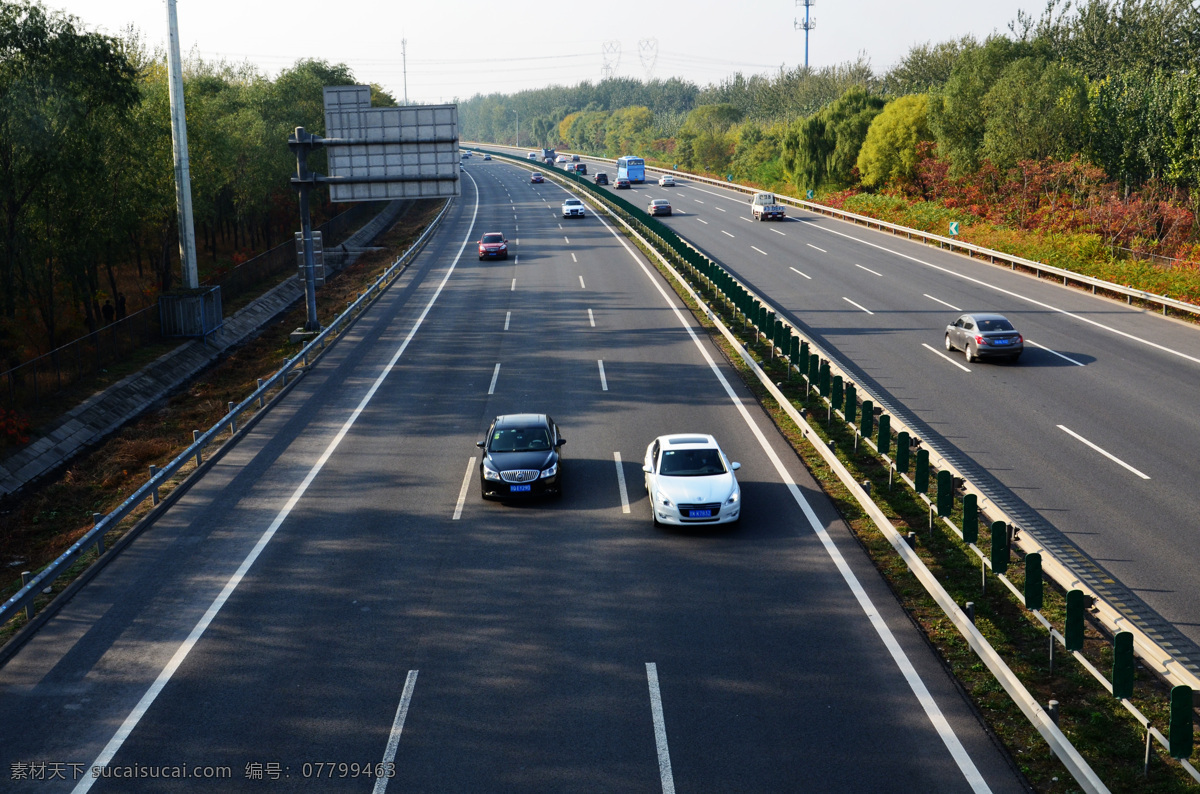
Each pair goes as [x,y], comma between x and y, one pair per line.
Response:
[516,488]
[1001,341]
[699,514]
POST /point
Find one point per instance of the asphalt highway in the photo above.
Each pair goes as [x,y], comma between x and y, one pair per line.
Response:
[1090,440]
[333,599]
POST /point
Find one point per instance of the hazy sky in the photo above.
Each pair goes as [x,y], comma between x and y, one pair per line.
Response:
[458,49]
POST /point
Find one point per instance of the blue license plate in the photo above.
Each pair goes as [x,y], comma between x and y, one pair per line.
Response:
[1001,341]
[699,514]
[516,488]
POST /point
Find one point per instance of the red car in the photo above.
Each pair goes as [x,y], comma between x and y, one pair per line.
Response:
[536,178]
[493,245]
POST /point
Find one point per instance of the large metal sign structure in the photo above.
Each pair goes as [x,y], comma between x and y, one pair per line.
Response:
[375,154]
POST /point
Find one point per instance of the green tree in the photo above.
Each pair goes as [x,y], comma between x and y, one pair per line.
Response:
[628,130]
[890,150]
[926,67]
[1034,110]
[954,111]
[58,84]
[822,151]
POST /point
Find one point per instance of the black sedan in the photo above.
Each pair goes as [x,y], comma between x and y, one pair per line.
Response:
[601,178]
[521,457]
[983,335]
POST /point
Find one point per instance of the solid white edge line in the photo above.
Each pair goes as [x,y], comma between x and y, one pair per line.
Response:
[1055,352]
[857,306]
[495,375]
[1012,294]
[462,492]
[932,711]
[797,272]
[389,753]
[756,248]
[1106,454]
[937,352]
[603,380]
[660,730]
[591,318]
[939,300]
[126,728]
[621,483]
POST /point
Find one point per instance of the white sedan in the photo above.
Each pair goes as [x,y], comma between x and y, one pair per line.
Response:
[691,481]
[666,180]
[572,208]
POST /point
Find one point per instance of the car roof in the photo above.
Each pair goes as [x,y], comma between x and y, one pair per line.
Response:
[659,201]
[688,441]
[986,316]
[572,200]
[521,420]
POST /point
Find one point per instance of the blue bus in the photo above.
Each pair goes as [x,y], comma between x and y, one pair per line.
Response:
[632,168]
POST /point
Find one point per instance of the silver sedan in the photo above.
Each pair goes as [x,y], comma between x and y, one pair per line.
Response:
[981,335]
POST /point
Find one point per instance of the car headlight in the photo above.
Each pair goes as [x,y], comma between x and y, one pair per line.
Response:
[489,473]
[550,472]
[733,498]
[662,499]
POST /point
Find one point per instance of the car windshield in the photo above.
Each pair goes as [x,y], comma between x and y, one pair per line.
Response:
[493,238]
[572,202]
[519,439]
[995,325]
[659,202]
[691,463]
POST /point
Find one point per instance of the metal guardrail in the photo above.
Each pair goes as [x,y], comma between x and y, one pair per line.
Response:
[975,251]
[1159,660]
[24,598]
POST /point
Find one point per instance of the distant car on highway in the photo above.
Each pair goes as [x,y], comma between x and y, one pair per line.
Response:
[659,207]
[531,155]
[521,457]
[984,335]
[601,178]
[575,158]
[691,481]
[569,167]
[536,178]
[581,169]
[764,207]
[572,208]
[487,157]
[666,180]
[562,158]
[621,184]
[493,246]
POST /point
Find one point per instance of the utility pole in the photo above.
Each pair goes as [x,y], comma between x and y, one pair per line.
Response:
[183,176]
[807,25]
[404,60]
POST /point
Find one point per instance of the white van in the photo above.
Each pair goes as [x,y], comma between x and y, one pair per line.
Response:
[532,155]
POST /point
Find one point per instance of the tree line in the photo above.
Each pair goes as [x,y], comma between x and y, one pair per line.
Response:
[1111,84]
[87,194]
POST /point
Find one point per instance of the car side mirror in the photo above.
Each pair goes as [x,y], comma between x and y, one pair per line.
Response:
[647,469]
[560,442]
[481,444]
[735,465]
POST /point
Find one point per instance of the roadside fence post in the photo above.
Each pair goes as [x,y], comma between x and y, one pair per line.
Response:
[868,418]
[1074,633]
[25,577]
[970,520]
[1000,548]
[921,476]
[884,441]
[96,518]
[1122,666]
[851,410]
[945,492]
[1181,735]
[196,440]
[154,493]
[1033,581]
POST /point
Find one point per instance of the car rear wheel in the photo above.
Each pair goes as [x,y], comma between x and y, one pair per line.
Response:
[949,344]
[970,356]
